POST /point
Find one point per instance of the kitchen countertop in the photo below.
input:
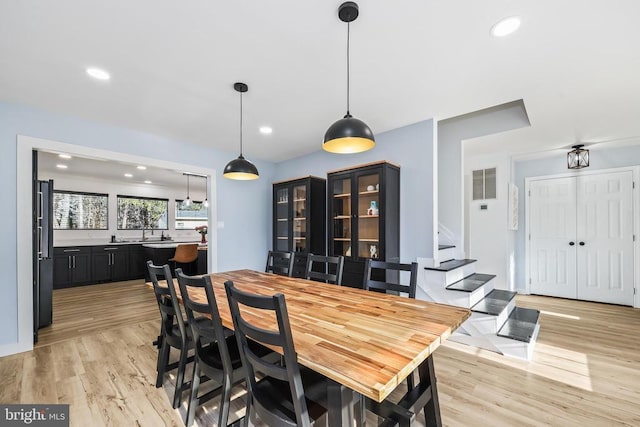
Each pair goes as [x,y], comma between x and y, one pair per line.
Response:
[161,245]
[100,242]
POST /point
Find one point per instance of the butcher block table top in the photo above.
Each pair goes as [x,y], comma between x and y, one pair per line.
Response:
[367,341]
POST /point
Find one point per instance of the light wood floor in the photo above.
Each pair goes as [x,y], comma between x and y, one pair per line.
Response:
[585,370]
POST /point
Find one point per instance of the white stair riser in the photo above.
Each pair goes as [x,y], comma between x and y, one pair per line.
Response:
[480,293]
[447,254]
[445,278]
[457,298]
[490,324]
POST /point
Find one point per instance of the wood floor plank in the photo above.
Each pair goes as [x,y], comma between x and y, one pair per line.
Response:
[585,369]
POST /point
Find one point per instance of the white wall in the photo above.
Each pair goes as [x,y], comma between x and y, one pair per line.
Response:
[69,182]
[488,237]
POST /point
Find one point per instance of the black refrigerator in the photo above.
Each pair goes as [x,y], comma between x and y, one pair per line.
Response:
[42,255]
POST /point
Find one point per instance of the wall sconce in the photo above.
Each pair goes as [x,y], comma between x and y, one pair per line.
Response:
[578,158]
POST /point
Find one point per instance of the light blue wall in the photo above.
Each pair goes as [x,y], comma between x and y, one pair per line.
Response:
[244,207]
[410,147]
[603,158]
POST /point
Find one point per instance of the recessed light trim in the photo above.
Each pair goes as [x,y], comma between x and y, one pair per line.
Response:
[98,73]
[505,26]
[128,175]
[140,167]
[266,130]
[147,181]
[61,166]
[64,156]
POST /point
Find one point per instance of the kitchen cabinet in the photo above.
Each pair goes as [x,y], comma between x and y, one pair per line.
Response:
[299,224]
[137,262]
[364,216]
[110,263]
[71,266]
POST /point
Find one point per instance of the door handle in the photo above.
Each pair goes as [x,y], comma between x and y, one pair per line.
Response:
[581,243]
[40,205]
[69,262]
[572,243]
[74,261]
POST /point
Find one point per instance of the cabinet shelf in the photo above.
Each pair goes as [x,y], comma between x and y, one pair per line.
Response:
[369,216]
[300,219]
[282,238]
[369,240]
[342,217]
[299,238]
[282,219]
[299,200]
[342,239]
[281,203]
[368,193]
[343,195]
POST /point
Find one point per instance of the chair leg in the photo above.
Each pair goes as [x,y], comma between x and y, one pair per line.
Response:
[410,383]
[193,395]
[180,377]
[247,414]
[163,359]
[225,402]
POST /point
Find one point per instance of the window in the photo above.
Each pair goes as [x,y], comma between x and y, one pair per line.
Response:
[142,213]
[191,217]
[80,211]
[484,184]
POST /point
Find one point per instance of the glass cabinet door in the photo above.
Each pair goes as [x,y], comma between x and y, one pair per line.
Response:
[299,218]
[282,220]
[341,215]
[368,243]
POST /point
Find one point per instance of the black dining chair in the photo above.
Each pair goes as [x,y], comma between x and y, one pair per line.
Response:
[281,263]
[285,394]
[392,272]
[330,268]
[216,350]
[173,330]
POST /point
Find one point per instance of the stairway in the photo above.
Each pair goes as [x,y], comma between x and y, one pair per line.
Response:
[496,323]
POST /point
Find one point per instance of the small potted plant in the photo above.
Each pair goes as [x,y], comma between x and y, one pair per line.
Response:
[202,229]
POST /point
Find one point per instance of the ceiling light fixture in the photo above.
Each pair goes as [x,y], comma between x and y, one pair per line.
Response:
[61,166]
[146,181]
[128,175]
[348,135]
[578,158]
[240,168]
[98,73]
[64,156]
[266,130]
[141,167]
[505,26]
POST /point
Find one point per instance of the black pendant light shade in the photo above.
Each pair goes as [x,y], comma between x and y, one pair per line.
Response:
[578,158]
[348,135]
[240,169]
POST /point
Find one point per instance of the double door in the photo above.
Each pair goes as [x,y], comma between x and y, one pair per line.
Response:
[581,237]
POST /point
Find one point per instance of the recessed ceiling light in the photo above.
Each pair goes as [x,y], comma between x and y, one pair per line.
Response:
[64,156]
[506,26]
[266,130]
[98,73]
[61,166]
[128,175]
[142,167]
[147,182]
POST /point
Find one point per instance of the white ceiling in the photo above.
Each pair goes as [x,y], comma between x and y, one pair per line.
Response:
[574,63]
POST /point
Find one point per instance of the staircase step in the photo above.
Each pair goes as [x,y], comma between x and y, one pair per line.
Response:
[471,283]
[521,324]
[495,302]
[452,264]
[443,247]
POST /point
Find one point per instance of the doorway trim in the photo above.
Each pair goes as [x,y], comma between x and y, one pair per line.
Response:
[24,207]
[635,194]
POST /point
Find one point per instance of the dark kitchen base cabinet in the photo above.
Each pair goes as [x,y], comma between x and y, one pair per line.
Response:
[88,265]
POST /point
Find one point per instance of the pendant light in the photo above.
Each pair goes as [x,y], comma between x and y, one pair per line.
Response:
[578,158]
[348,135]
[240,168]
[186,203]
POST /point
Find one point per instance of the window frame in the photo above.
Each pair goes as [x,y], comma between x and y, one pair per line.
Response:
[123,196]
[81,193]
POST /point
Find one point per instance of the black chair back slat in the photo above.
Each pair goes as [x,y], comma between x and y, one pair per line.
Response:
[280,263]
[391,267]
[328,264]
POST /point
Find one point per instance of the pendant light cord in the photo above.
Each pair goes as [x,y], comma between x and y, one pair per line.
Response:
[188,192]
[348,89]
[240,124]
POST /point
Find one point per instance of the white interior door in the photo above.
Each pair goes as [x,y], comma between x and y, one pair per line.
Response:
[605,238]
[552,230]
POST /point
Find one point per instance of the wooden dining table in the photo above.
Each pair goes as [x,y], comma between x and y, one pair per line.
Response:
[362,341]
